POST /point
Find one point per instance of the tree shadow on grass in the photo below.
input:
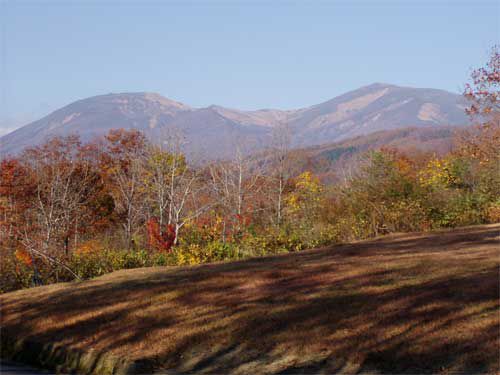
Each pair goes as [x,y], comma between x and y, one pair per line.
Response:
[417,305]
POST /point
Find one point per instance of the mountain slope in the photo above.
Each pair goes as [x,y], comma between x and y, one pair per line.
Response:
[95,116]
[409,140]
[377,107]
[331,161]
[217,131]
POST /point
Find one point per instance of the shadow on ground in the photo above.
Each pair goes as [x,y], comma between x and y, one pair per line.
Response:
[404,304]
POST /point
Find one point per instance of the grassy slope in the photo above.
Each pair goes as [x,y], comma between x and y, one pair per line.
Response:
[403,304]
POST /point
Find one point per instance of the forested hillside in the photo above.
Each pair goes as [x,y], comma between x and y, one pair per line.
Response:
[77,209]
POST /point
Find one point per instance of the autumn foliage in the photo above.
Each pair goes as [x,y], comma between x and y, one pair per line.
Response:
[70,209]
[483,91]
[160,239]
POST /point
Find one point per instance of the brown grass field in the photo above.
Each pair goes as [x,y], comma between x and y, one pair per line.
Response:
[410,303]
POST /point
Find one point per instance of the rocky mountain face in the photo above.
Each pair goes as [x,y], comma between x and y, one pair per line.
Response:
[216,132]
[374,108]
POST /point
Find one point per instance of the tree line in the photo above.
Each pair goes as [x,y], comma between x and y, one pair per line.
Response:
[72,209]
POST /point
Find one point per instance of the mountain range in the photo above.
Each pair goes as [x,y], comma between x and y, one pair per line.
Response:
[216,132]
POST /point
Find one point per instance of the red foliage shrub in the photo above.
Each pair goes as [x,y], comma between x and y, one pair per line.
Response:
[160,239]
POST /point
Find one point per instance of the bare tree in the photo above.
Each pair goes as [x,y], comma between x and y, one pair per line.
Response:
[63,184]
[180,186]
[236,184]
[123,166]
[157,180]
[281,165]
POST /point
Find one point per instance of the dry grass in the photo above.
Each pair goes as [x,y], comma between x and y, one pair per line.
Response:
[401,304]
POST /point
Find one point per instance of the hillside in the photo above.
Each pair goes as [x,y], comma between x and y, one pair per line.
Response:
[376,107]
[331,160]
[217,131]
[412,303]
[411,140]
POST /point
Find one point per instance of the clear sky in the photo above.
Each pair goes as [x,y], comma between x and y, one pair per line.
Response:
[247,55]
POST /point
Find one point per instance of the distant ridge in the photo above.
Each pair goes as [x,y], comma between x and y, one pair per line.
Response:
[216,131]
[332,161]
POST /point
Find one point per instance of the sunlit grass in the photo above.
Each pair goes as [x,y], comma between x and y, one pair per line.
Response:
[402,304]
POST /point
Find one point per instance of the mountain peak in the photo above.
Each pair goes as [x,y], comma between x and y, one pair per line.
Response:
[379,85]
[215,129]
[165,101]
[152,97]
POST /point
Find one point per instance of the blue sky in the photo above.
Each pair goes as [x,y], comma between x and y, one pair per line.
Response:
[245,55]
